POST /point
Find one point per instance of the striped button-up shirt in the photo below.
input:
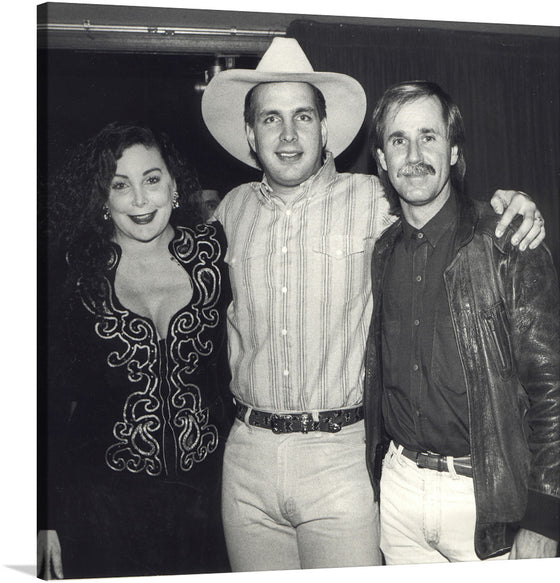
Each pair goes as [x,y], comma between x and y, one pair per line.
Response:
[300,273]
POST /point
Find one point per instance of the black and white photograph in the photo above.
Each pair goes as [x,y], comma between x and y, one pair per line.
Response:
[296,308]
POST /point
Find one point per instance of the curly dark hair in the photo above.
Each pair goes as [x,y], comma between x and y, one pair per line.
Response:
[77,194]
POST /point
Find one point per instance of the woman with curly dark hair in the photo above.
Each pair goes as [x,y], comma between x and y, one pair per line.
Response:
[137,386]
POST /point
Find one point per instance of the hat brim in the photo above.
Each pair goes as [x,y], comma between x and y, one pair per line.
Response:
[223,103]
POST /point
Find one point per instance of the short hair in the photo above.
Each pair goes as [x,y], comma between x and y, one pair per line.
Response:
[249,111]
[406,92]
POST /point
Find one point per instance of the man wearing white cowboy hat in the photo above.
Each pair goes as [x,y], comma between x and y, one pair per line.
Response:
[296,491]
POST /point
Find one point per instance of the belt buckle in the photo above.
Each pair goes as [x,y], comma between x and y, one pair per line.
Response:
[291,423]
[431,461]
[306,422]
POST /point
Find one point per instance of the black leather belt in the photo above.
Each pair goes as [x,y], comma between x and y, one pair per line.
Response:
[435,461]
[329,421]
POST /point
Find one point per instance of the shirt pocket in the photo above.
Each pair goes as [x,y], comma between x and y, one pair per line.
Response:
[340,247]
[346,263]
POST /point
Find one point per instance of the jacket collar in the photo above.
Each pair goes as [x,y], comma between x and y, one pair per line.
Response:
[467,220]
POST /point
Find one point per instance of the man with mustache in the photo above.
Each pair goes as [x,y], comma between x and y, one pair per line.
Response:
[462,395]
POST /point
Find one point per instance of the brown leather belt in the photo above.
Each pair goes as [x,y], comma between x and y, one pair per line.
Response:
[435,461]
[329,421]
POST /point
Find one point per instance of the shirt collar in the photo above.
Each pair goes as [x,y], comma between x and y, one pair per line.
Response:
[313,186]
[434,229]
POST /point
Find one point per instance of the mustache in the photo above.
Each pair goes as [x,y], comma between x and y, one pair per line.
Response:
[420,169]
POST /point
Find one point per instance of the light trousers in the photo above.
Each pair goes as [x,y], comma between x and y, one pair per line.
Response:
[426,516]
[297,500]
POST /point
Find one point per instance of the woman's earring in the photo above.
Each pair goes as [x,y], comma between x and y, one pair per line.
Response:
[175,200]
[106,213]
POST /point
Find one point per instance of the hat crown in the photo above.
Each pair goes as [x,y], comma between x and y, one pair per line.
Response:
[284,55]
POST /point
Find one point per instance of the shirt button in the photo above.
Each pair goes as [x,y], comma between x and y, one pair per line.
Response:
[417,322]
[284,249]
[284,332]
[284,289]
[420,235]
[338,252]
[415,367]
[418,278]
[288,213]
[286,372]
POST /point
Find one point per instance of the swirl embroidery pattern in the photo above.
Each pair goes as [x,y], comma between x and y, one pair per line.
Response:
[139,434]
[197,438]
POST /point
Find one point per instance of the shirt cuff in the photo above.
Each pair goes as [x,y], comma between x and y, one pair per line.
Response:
[542,515]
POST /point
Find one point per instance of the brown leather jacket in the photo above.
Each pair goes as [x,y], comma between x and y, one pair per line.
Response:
[505,310]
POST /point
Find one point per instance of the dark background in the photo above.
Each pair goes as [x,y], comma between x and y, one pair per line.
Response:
[86,90]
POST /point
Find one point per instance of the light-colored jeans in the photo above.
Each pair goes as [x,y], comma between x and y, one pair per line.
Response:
[296,500]
[426,516]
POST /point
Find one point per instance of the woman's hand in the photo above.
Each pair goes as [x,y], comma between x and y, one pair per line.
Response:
[49,555]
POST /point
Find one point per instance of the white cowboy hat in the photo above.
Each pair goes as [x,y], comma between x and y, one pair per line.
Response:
[223,100]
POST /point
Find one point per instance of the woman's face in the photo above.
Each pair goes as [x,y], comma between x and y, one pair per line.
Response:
[140,195]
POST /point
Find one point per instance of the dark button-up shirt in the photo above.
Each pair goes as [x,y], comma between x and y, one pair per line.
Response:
[424,398]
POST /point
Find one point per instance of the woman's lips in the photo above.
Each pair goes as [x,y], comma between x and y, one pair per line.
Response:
[143,219]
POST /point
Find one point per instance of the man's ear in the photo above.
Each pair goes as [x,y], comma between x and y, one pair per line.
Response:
[324,133]
[381,158]
[249,132]
[454,155]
